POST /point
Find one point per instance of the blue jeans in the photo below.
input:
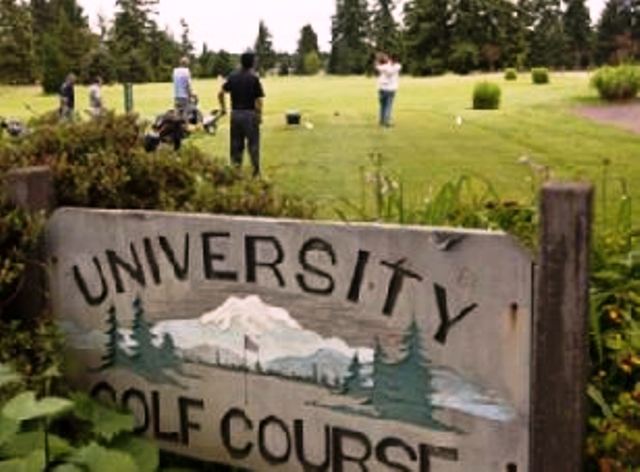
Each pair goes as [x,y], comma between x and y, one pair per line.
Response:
[386,105]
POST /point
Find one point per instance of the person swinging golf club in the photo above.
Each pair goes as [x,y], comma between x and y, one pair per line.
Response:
[247,97]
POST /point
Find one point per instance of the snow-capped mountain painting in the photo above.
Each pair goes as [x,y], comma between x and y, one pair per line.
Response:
[251,335]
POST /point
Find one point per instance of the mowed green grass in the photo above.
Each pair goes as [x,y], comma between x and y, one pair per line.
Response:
[425,148]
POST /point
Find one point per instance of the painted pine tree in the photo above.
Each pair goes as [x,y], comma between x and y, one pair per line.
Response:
[403,390]
[382,378]
[353,381]
[115,355]
[145,354]
[167,354]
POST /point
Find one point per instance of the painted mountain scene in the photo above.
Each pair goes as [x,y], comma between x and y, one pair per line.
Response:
[249,336]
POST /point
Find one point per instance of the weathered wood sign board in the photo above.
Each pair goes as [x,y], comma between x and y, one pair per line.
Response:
[285,345]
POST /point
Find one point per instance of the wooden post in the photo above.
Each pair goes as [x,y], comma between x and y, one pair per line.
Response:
[560,342]
[32,189]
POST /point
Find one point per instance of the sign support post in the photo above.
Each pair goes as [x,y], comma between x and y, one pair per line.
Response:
[560,332]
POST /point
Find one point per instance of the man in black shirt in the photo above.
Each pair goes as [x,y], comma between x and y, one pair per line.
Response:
[246,111]
[68,98]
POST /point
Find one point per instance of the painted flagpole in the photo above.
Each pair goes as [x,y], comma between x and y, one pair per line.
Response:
[246,371]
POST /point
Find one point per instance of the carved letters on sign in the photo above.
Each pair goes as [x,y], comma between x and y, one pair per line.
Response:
[311,279]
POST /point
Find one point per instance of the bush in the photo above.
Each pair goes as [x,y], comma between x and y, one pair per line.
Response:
[486,96]
[510,74]
[101,164]
[617,83]
[540,75]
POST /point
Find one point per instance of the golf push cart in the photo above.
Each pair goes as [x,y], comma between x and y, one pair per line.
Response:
[172,127]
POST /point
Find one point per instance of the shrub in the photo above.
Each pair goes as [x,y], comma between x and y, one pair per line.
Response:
[510,74]
[540,75]
[617,83]
[486,96]
[101,164]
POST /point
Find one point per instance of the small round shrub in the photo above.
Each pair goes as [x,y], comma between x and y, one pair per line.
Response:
[510,74]
[486,96]
[617,83]
[540,75]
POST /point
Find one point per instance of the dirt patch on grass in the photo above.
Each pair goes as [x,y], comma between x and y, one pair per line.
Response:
[624,115]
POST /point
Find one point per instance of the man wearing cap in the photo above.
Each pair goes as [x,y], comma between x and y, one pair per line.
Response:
[247,96]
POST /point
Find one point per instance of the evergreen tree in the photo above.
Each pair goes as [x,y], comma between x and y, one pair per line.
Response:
[17,53]
[115,355]
[577,28]
[307,44]
[350,52]
[144,351]
[186,46]
[167,353]
[385,33]
[205,63]
[404,390]
[547,40]
[223,64]
[265,55]
[615,42]
[352,384]
[427,36]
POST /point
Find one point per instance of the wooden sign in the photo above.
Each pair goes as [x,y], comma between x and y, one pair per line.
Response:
[286,345]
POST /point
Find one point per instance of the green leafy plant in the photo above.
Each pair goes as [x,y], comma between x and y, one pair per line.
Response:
[510,74]
[540,75]
[617,83]
[486,96]
[31,427]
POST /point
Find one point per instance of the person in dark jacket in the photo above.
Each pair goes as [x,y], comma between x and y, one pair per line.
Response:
[68,98]
[247,96]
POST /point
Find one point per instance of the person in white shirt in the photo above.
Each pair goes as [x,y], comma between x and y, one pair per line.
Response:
[182,86]
[95,97]
[388,81]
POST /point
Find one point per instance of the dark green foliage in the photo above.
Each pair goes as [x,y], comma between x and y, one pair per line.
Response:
[427,36]
[263,48]
[577,29]
[352,384]
[17,47]
[615,36]
[350,53]
[547,41]
[307,47]
[540,75]
[115,355]
[486,96]
[510,74]
[223,65]
[617,83]
[463,58]
[385,32]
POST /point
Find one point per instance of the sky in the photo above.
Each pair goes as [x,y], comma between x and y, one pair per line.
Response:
[233,24]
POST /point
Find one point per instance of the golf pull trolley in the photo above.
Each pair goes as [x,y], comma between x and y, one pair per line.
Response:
[173,126]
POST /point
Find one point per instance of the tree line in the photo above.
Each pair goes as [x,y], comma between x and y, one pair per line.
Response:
[42,40]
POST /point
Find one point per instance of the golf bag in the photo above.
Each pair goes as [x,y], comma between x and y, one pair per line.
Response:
[14,128]
[167,128]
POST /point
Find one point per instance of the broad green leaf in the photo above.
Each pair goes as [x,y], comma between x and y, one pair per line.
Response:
[598,399]
[143,452]
[8,429]
[614,342]
[22,444]
[25,406]
[34,462]
[8,375]
[96,458]
[105,422]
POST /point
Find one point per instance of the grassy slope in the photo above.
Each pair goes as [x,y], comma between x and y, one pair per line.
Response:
[425,147]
